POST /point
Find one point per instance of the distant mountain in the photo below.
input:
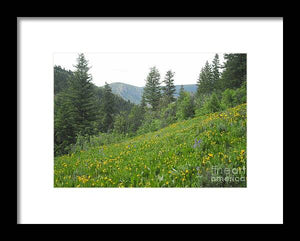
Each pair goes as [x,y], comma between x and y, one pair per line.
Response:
[127,92]
[134,93]
[189,88]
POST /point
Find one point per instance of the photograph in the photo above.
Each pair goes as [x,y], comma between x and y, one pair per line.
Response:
[150,120]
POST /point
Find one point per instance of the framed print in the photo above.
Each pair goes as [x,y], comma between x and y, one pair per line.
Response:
[150,120]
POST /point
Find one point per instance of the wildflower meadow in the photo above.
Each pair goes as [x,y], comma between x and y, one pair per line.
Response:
[205,151]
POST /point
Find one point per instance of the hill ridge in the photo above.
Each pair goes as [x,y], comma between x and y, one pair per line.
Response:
[134,93]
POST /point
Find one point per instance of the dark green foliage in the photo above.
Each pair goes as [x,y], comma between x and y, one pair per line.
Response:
[64,130]
[119,103]
[121,123]
[213,104]
[235,71]
[228,98]
[185,106]
[82,96]
[80,107]
[241,94]
[216,90]
[152,90]
[231,97]
[215,73]
[181,93]
[129,123]
[150,123]
[143,103]
[74,108]
[205,80]
[61,79]
[135,118]
[210,104]
[108,108]
[168,115]
[169,88]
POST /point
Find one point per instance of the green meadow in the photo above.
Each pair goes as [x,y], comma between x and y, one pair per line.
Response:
[204,151]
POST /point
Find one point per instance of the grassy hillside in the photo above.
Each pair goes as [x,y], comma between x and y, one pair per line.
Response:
[206,151]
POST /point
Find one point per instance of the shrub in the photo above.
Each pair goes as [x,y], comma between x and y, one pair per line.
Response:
[231,98]
[186,107]
[211,104]
[149,126]
[228,98]
[168,115]
[241,94]
[86,142]
[121,124]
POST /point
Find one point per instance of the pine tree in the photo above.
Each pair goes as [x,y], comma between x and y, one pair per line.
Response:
[64,130]
[235,71]
[143,102]
[108,108]
[83,98]
[205,81]
[215,71]
[75,109]
[181,93]
[152,89]
[169,89]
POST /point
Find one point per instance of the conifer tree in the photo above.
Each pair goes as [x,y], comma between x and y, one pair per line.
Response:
[181,93]
[152,89]
[75,109]
[64,130]
[215,71]
[235,70]
[143,102]
[205,81]
[169,88]
[108,108]
[83,98]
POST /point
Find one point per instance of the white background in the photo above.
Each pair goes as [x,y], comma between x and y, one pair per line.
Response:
[260,202]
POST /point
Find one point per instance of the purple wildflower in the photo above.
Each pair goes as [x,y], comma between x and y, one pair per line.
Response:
[197,143]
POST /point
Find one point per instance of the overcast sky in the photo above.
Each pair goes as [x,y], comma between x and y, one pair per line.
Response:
[133,68]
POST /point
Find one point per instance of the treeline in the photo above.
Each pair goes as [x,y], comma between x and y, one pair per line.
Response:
[81,108]
[87,115]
